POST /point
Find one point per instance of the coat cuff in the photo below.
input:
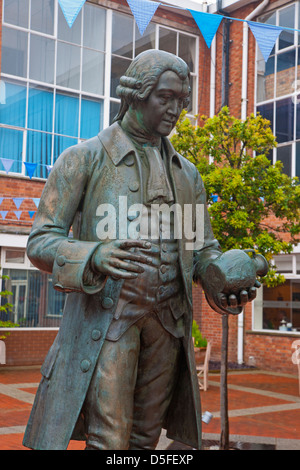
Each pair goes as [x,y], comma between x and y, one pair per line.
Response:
[72,270]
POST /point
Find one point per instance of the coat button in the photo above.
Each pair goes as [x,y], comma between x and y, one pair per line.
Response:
[85,365]
[163,269]
[134,186]
[107,302]
[61,260]
[129,160]
[96,334]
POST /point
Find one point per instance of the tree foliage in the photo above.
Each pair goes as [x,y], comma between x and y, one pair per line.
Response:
[252,203]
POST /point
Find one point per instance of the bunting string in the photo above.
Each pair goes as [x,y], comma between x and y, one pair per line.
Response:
[208,23]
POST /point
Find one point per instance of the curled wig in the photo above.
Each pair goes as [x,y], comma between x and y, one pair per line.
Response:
[143,74]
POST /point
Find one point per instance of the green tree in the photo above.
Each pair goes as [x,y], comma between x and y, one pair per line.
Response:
[252,203]
[5,307]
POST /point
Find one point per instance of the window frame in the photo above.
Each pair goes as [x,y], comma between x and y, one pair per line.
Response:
[106,97]
[294,95]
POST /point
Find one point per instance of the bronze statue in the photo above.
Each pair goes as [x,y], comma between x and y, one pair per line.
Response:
[122,365]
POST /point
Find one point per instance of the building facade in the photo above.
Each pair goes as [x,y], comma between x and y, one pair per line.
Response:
[58,87]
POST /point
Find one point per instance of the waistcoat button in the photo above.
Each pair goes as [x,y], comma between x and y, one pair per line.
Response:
[61,260]
[96,334]
[85,365]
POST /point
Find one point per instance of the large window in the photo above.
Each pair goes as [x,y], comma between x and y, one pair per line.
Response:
[35,302]
[278,87]
[278,307]
[58,84]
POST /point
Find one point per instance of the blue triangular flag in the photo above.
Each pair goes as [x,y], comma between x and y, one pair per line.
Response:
[71,9]
[7,163]
[265,35]
[30,167]
[208,24]
[36,200]
[18,214]
[214,197]
[1,200]
[3,214]
[31,213]
[143,11]
[18,201]
[49,168]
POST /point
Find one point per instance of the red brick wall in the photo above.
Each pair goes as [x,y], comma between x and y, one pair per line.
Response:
[28,347]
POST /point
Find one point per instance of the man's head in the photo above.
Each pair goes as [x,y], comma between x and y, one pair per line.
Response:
[153,78]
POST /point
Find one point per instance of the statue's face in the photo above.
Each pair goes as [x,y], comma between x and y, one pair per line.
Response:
[160,112]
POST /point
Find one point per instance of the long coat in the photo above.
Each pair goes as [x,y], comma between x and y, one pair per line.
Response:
[89,174]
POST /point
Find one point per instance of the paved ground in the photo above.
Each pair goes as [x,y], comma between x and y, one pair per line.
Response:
[264,410]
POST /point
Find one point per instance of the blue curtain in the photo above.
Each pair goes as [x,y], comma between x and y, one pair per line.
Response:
[12,112]
[40,116]
[91,122]
[66,122]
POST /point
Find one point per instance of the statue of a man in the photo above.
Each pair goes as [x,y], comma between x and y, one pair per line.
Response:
[122,365]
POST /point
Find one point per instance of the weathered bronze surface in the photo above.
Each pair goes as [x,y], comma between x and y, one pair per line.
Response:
[122,365]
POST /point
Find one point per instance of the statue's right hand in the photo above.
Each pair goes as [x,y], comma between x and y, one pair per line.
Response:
[115,258]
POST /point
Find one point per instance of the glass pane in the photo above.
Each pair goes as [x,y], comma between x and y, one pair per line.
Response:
[145,42]
[265,78]
[68,65]
[62,143]
[118,68]
[282,306]
[285,78]
[42,16]
[13,107]
[34,299]
[187,50]
[91,122]
[167,40]
[298,265]
[14,256]
[11,148]
[284,263]
[39,146]
[122,35]
[287,18]
[66,33]
[266,111]
[40,110]
[191,107]
[284,154]
[66,115]
[94,27]
[114,109]
[41,67]
[297,102]
[269,18]
[16,12]
[298,160]
[93,71]
[14,52]
[285,120]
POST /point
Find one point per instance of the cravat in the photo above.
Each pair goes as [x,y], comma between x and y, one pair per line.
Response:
[158,185]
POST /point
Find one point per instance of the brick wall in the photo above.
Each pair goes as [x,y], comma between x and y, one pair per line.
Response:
[28,347]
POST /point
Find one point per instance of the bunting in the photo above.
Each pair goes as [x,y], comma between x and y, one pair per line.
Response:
[143,11]
[17,202]
[30,167]
[266,36]
[71,9]
[208,24]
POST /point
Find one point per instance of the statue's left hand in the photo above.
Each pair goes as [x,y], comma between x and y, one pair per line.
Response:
[233,301]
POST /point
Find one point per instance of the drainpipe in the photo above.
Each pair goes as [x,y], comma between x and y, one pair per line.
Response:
[253,14]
